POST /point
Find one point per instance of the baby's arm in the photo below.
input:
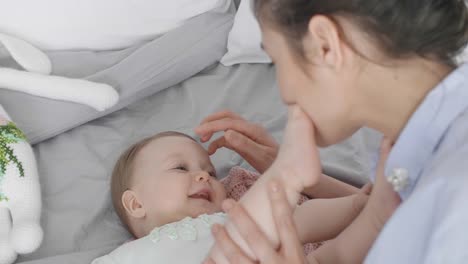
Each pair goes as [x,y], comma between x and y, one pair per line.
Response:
[328,187]
[323,219]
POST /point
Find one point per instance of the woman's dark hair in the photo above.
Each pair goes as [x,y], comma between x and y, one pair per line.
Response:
[429,28]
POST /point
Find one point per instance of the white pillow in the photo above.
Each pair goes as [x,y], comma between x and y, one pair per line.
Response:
[97,24]
[244,42]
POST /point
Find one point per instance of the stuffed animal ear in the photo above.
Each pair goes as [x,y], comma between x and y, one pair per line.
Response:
[132,205]
[29,57]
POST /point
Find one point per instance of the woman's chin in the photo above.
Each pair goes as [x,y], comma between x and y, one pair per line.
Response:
[325,139]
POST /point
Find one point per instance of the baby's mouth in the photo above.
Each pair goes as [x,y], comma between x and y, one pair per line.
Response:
[203,194]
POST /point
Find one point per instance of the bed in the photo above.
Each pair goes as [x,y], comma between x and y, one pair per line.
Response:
[158,92]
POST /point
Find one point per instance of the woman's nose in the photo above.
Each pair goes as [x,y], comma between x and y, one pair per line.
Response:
[202,176]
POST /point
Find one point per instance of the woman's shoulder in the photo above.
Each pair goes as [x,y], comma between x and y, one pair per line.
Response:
[450,160]
[454,144]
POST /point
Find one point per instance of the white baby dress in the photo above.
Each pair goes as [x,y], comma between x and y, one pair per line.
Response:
[187,241]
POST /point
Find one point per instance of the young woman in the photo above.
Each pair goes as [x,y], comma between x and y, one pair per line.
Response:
[388,65]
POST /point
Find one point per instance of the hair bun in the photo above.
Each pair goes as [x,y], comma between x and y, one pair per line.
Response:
[451,28]
[436,28]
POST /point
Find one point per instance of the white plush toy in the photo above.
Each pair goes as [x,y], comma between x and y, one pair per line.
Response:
[37,81]
[20,197]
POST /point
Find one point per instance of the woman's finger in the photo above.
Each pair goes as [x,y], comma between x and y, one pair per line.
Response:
[253,131]
[385,148]
[217,144]
[209,261]
[366,189]
[224,124]
[226,114]
[207,129]
[260,245]
[230,250]
[283,216]
[235,141]
[258,156]
[221,115]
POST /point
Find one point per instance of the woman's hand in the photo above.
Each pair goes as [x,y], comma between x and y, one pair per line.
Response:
[290,251]
[251,141]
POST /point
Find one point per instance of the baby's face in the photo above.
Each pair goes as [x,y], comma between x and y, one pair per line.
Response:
[173,178]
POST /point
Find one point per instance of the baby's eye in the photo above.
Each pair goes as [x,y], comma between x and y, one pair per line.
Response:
[181,167]
[213,174]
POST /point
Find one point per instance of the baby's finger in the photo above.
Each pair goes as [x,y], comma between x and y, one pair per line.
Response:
[283,215]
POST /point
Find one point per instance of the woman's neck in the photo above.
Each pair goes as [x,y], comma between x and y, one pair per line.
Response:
[391,101]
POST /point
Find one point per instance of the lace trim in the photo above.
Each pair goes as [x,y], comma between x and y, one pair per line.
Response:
[185,229]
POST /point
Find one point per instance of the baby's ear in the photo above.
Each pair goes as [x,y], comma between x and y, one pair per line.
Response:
[132,205]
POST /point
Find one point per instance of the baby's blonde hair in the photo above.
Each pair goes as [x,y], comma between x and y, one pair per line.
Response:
[123,171]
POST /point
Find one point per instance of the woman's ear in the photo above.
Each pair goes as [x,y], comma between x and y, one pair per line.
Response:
[322,44]
[132,205]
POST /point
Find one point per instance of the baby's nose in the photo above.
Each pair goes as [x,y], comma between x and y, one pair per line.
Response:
[202,176]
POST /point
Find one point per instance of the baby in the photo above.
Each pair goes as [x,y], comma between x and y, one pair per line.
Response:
[166,192]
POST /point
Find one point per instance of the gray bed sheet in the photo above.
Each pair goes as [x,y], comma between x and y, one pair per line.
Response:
[75,166]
